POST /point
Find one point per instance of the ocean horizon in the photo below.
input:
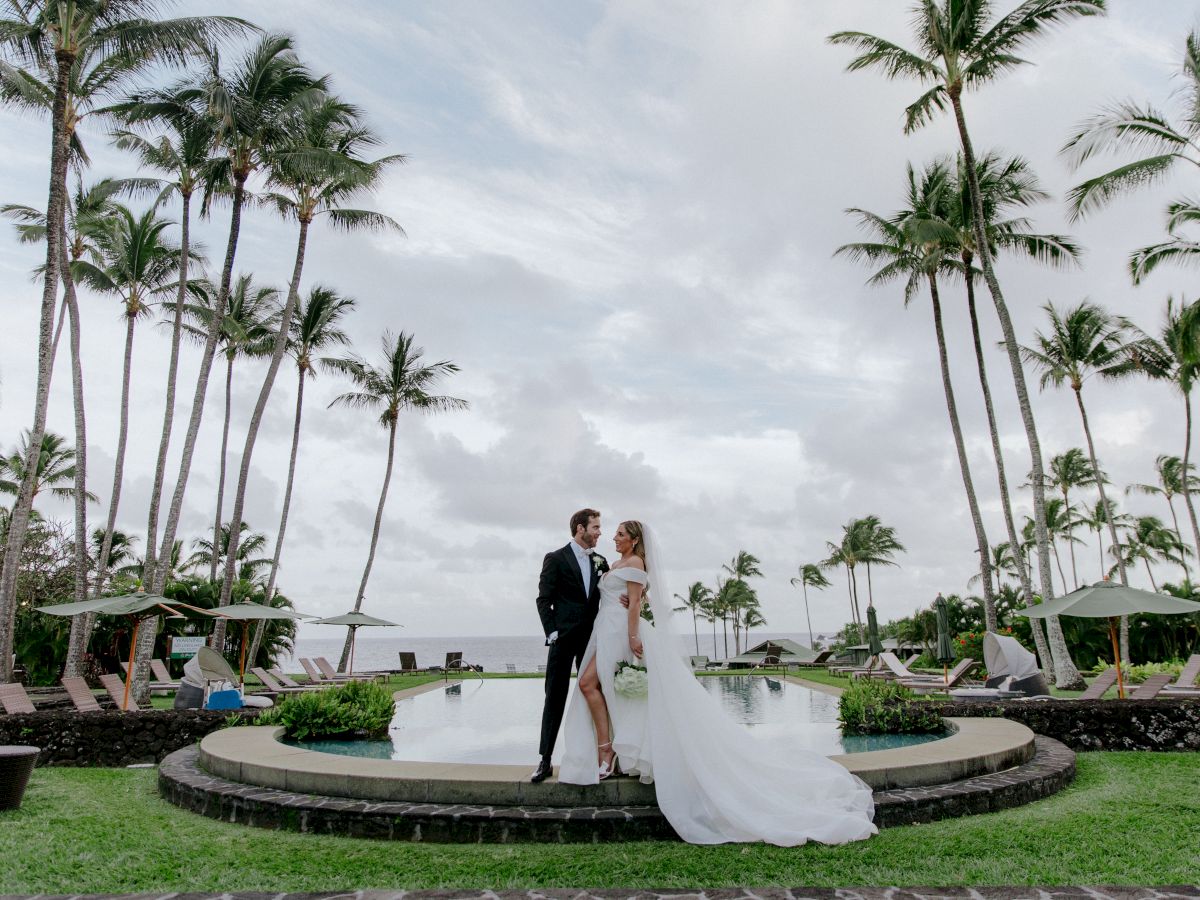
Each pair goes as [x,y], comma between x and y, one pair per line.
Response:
[493,653]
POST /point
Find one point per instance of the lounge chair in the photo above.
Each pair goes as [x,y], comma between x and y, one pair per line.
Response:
[871,663]
[1150,688]
[542,670]
[14,699]
[510,668]
[275,687]
[408,662]
[699,662]
[159,685]
[1100,685]
[288,681]
[926,683]
[162,675]
[821,661]
[1187,680]
[890,668]
[316,676]
[115,685]
[81,695]
[332,674]
[772,657]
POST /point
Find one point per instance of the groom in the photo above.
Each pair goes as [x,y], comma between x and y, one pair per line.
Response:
[568,598]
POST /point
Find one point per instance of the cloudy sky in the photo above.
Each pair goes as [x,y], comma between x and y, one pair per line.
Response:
[620,219]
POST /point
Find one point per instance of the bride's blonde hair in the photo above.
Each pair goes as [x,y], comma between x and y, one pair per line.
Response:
[634,529]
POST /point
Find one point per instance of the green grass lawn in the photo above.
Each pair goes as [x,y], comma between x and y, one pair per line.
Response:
[1130,818]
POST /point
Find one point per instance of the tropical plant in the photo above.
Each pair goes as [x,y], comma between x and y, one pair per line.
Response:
[317,167]
[912,245]
[1170,485]
[960,49]
[1149,540]
[810,576]
[209,554]
[355,710]
[1096,518]
[54,468]
[697,597]
[879,707]
[1069,471]
[402,383]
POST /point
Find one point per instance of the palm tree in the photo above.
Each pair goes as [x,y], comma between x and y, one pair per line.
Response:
[246,329]
[122,561]
[205,552]
[1083,342]
[71,42]
[54,468]
[880,544]
[960,49]
[248,108]
[317,167]
[1061,522]
[184,155]
[842,555]
[314,328]
[697,598]
[810,576]
[1004,562]
[1160,145]
[1070,470]
[1003,185]
[912,245]
[401,383]
[1169,486]
[1151,541]
[1096,519]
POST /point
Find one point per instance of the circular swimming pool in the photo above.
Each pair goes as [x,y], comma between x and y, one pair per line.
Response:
[497,721]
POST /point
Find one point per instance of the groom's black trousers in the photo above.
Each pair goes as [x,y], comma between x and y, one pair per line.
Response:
[564,653]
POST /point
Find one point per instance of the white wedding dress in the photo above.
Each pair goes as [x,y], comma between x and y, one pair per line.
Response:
[714,781]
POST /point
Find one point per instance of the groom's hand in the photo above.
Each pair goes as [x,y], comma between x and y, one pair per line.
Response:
[551,638]
[625,600]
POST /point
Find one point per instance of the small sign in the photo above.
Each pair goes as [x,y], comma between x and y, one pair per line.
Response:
[186,647]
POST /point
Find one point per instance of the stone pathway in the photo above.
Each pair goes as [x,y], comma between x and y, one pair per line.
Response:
[1182,892]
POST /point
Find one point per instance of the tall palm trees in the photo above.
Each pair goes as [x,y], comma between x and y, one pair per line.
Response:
[810,576]
[403,382]
[697,600]
[960,49]
[52,37]
[1151,541]
[317,167]
[1070,470]
[1170,485]
[912,246]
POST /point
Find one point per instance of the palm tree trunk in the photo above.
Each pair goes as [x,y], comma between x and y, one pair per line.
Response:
[1149,572]
[807,617]
[260,407]
[215,563]
[141,686]
[1010,525]
[18,524]
[81,625]
[1066,675]
[1100,544]
[862,635]
[1187,575]
[362,585]
[283,516]
[1187,452]
[160,466]
[58,329]
[1108,514]
[964,466]
[696,630]
[1058,564]
[119,466]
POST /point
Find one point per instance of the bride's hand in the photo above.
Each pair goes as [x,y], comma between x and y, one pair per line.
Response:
[635,644]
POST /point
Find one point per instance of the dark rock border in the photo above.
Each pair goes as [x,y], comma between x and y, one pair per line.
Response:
[182,782]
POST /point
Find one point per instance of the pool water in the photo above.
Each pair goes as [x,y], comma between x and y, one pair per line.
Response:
[497,721]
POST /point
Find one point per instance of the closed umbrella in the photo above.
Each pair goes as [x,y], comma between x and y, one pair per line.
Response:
[945,648]
[1107,600]
[354,621]
[874,644]
[121,605]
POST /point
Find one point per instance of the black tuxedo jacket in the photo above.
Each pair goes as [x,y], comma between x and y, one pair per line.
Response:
[562,603]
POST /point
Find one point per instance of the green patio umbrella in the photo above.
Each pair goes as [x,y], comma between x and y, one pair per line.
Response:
[874,645]
[121,605]
[247,612]
[945,649]
[354,621]
[1108,600]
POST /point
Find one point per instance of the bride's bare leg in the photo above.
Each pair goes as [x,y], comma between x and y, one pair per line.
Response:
[589,683]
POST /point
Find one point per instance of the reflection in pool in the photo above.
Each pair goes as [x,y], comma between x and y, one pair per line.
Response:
[496,721]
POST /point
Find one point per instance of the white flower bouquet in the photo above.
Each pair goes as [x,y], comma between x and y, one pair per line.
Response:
[631,681]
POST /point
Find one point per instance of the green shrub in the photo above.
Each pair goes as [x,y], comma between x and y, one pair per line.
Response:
[884,707]
[1138,674]
[357,709]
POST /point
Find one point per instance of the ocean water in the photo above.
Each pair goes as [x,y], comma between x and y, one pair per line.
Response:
[526,652]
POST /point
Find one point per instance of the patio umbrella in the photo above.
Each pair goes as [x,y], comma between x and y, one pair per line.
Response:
[945,649]
[1108,600]
[874,645]
[355,620]
[128,605]
[247,612]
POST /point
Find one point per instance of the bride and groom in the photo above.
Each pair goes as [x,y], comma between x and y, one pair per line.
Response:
[713,780]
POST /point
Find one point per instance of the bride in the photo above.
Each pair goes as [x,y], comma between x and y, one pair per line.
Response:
[714,781]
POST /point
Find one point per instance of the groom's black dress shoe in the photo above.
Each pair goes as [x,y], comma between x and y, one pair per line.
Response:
[542,772]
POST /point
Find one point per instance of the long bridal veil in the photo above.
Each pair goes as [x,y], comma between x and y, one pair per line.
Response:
[715,782]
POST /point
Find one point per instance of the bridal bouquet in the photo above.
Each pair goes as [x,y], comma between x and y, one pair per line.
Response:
[631,681]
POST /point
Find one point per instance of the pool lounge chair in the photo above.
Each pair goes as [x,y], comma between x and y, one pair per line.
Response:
[333,674]
[1150,688]
[289,682]
[275,687]
[699,662]
[316,676]
[871,663]
[115,686]
[926,683]
[772,658]
[81,695]
[890,669]
[510,668]
[1188,678]
[14,699]
[820,662]
[158,685]
[408,663]
[162,675]
[1100,685]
